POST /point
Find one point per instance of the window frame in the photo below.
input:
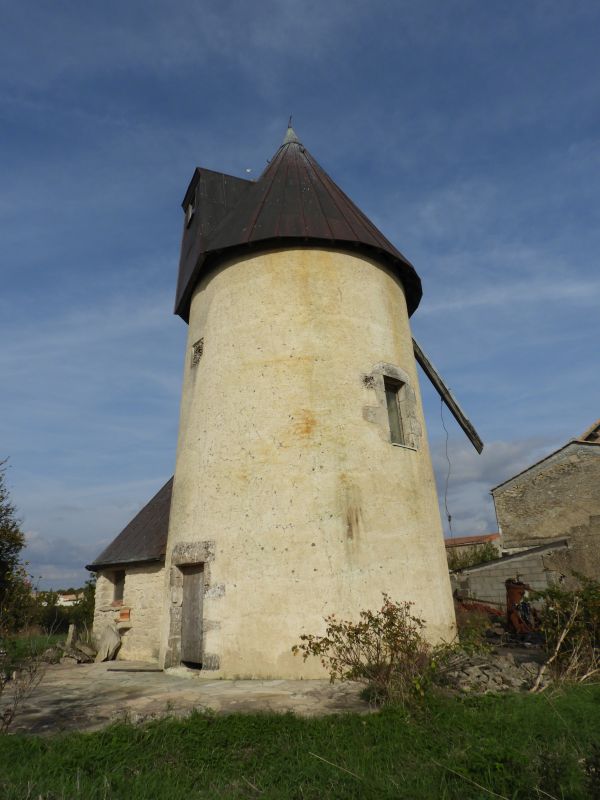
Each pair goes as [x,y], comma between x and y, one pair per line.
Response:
[393,389]
[118,581]
[381,376]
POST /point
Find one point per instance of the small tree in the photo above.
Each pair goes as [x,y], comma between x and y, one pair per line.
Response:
[570,622]
[385,650]
[20,669]
[15,588]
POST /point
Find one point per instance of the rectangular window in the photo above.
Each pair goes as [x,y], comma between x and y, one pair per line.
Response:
[190,208]
[392,399]
[119,586]
[189,213]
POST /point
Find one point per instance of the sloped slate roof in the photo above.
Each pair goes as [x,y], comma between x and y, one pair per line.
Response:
[144,538]
[293,202]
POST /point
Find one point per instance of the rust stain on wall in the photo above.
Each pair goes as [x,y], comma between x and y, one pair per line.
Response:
[351,507]
[304,423]
[353,521]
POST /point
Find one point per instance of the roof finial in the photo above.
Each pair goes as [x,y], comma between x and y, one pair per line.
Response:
[290,136]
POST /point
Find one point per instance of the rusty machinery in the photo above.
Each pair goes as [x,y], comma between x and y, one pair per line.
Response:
[521,617]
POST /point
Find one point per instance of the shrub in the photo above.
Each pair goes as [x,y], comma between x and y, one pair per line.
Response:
[20,669]
[475,555]
[570,622]
[385,650]
[472,624]
[53,618]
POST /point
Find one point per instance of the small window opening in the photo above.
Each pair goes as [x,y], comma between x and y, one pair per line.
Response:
[393,390]
[119,586]
[197,350]
[189,210]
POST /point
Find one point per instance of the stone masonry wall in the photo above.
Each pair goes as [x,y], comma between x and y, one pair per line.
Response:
[143,597]
[288,487]
[551,498]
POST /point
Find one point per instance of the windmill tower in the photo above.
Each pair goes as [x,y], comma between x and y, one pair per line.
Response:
[303,482]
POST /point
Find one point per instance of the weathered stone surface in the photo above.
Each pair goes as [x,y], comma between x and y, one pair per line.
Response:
[550,498]
[88,697]
[85,649]
[143,598]
[110,642]
[70,635]
[311,508]
[495,672]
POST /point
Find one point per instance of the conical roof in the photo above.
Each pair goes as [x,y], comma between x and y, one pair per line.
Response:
[293,202]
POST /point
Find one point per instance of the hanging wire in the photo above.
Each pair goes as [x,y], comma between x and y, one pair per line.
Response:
[448,514]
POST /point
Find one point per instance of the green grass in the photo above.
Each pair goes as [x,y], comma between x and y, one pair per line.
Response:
[15,650]
[24,646]
[514,745]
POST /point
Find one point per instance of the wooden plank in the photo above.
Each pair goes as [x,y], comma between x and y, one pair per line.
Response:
[446,395]
[191,620]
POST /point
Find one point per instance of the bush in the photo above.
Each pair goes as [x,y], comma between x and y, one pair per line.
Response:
[53,618]
[570,622]
[385,650]
[476,555]
[472,625]
[15,586]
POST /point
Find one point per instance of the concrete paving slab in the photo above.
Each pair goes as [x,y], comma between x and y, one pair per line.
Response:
[88,697]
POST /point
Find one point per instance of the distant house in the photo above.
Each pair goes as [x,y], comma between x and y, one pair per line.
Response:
[549,520]
[68,599]
[467,545]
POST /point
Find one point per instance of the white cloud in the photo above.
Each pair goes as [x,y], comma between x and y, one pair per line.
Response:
[472,476]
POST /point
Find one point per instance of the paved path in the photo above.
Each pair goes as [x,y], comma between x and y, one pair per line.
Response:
[87,697]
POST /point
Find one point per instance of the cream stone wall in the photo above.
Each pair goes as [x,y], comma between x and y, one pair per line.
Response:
[143,597]
[552,498]
[286,483]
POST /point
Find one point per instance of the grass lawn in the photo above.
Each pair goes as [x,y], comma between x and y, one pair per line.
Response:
[517,746]
[23,646]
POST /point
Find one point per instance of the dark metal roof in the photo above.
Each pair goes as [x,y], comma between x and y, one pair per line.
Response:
[294,201]
[144,538]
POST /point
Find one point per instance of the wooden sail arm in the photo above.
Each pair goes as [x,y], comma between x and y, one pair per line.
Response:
[446,395]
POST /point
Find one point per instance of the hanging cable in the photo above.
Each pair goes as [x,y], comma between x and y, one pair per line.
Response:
[448,514]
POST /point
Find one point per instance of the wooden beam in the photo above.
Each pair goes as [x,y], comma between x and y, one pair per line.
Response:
[446,395]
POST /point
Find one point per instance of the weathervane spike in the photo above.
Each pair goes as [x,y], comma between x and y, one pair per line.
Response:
[290,134]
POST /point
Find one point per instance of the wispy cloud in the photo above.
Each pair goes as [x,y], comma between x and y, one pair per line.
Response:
[472,476]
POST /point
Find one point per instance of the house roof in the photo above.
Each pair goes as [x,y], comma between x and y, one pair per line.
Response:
[557,544]
[294,202]
[465,541]
[569,444]
[144,538]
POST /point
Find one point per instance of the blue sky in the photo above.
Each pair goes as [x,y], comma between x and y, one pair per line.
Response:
[468,131]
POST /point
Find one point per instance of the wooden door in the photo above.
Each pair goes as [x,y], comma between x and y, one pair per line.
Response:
[191,621]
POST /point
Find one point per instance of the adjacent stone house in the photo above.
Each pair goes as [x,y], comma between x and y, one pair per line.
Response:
[549,520]
[556,498]
[130,579]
